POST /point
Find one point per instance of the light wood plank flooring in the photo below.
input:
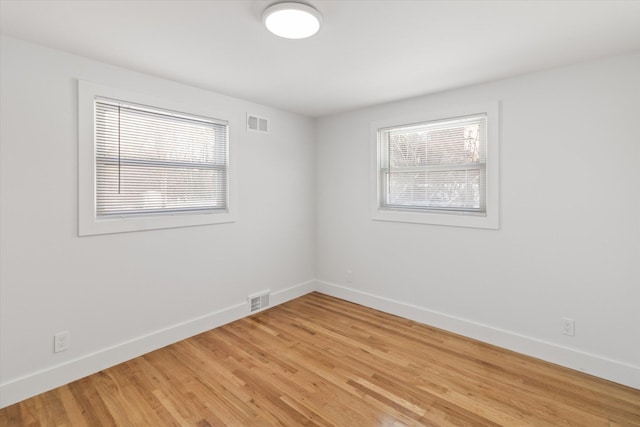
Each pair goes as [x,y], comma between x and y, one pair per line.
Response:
[322,361]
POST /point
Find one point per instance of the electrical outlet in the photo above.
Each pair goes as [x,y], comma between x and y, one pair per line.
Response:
[568,326]
[349,276]
[60,341]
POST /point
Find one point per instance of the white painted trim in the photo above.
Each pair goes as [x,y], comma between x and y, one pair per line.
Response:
[613,370]
[88,224]
[35,383]
[293,292]
[18,389]
[490,220]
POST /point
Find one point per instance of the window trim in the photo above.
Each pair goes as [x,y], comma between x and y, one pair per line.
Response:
[489,219]
[88,223]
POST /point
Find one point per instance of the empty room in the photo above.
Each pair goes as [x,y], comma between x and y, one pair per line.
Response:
[319,212]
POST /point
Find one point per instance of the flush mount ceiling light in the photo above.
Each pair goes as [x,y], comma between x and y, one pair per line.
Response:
[292,20]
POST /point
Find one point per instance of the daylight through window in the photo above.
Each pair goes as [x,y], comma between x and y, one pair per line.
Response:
[150,161]
[435,166]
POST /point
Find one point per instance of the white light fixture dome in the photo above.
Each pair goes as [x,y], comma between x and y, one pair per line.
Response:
[292,20]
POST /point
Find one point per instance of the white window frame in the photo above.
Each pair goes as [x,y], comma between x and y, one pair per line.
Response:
[489,219]
[88,223]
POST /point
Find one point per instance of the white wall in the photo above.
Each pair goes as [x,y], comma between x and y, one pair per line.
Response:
[121,295]
[569,242]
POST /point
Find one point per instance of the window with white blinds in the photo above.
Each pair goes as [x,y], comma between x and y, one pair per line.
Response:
[150,161]
[438,165]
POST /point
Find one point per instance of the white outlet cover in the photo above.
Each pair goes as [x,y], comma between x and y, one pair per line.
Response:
[568,326]
[60,341]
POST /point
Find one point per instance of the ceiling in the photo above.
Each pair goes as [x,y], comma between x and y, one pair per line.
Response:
[367,52]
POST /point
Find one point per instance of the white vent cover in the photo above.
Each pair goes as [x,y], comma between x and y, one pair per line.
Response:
[259,301]
[257,124]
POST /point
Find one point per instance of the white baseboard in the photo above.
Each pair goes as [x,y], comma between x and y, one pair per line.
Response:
[38,382]
[293,292]
[599,366]
[35,383]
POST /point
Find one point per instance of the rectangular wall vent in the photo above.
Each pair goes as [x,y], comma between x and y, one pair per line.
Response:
[259,301]
[257,124]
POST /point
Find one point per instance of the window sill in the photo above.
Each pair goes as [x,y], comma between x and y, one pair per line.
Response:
[452,219]
[124,225]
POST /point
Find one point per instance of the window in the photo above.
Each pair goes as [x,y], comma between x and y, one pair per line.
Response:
[155,161]
[150,167]
[435,165]
[437,170]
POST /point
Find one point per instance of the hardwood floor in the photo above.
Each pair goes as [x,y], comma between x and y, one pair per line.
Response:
[322,361]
